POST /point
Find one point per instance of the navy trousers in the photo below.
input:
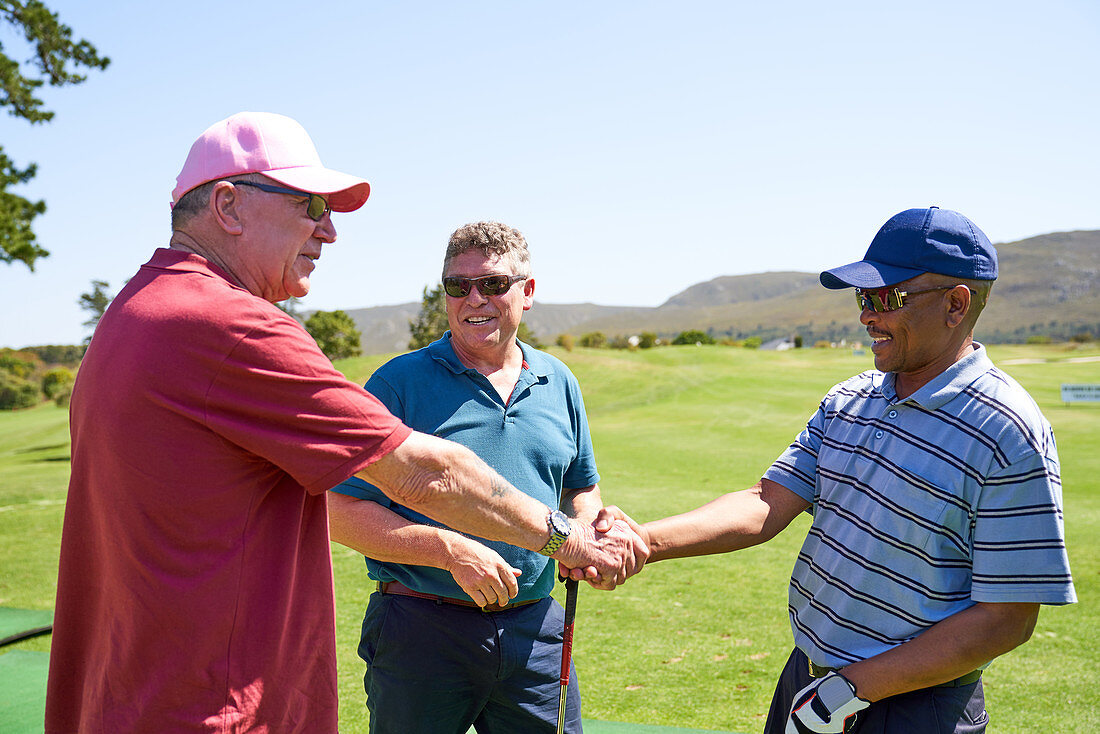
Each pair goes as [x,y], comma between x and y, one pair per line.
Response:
[437,668]
[935,710]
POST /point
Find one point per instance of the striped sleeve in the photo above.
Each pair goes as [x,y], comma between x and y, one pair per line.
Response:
[796,468]
[1019,539]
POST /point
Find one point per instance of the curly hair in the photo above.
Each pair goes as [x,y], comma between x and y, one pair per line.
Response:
[490,238]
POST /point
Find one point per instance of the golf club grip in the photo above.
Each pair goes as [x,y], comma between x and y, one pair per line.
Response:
[567,636]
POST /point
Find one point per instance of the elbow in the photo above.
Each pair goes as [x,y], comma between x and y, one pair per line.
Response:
[416,473]
[421,489]
[1016,624]
[1027,627]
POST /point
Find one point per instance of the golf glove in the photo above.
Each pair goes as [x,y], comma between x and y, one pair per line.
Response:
[829,705]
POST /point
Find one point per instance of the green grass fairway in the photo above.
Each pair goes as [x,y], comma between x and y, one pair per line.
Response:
[696,643]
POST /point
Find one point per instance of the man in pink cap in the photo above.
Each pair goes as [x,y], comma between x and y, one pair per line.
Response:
[195,584]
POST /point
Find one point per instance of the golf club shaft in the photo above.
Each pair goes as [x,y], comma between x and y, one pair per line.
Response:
[567,648]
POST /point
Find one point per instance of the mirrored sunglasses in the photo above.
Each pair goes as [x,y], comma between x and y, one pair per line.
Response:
[889,299]
[316,208]
[489,285]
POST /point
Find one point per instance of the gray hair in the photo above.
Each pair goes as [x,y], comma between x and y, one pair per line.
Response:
[194,202]
[490,238]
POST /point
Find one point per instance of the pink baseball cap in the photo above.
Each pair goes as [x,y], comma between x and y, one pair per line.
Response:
[274,145]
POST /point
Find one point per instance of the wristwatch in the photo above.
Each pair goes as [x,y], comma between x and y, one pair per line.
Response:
[559,527]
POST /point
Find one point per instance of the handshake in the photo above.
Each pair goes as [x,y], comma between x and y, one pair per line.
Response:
[605,553]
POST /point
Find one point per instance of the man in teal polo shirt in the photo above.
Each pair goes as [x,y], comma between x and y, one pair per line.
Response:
[462,631]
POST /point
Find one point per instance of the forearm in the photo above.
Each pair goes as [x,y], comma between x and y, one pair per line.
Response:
[730,522]
[382,534]
[449,483]
[582,504]
[946,650]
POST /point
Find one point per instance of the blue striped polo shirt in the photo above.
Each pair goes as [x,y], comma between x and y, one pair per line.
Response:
[921,508]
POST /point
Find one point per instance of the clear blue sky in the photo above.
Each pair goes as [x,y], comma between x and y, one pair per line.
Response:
[642,147]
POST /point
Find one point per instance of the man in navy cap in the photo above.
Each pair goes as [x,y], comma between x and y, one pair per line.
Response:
[934,486]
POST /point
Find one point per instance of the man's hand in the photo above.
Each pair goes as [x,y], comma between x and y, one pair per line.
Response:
[482,573]
[606,556]
[829,705]
[605,526]
[610,514]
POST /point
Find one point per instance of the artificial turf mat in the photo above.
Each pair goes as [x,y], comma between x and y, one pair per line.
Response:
[17,624]
[23,691]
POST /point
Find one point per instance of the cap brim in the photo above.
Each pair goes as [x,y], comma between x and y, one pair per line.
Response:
[866,274]
[345,193]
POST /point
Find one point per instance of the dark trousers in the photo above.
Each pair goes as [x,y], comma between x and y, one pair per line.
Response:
[935,710]
[439,669]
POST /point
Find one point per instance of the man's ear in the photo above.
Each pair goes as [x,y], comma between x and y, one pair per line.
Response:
[225,200]
[528,294]
[958,305]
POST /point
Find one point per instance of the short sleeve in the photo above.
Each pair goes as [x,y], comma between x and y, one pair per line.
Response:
[1019,536]
[796,467]
[276,395]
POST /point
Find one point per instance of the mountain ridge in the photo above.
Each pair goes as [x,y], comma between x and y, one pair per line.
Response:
[1025,303]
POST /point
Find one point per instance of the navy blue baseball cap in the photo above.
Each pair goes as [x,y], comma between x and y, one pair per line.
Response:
[918,241]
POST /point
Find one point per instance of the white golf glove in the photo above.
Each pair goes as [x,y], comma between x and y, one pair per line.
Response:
[829,705]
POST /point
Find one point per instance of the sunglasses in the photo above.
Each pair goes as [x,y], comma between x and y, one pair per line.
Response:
[316,208]
[890,299]
[490,285]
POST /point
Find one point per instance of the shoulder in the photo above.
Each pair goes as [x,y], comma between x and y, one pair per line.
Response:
[855,389]
[189,309]
[550,370]
[540,361]
[408,367]
[1001,408]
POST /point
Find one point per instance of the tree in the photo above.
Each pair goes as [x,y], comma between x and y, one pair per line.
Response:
[53,51]
[18,384]
[292,307]
[15,392]
[57,385]
[95,303]
[594,340]
[431,322]
[525,335]
[693,336]
[335,334]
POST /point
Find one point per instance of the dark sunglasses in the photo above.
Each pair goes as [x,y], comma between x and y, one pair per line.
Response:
[316,208]
[890,299]
[490,285]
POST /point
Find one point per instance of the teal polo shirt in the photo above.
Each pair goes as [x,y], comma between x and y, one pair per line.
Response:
[538,441]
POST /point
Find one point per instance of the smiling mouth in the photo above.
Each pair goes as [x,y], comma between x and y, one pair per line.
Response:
[879,341]
[477,320]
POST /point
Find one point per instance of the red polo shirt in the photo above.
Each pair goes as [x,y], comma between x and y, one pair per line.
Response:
[195,588]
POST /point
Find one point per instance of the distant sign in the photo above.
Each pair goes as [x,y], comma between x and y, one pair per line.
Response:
[1080,393]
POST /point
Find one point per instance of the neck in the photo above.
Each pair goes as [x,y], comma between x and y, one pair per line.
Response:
[186,242]
[507,356]
[907,383]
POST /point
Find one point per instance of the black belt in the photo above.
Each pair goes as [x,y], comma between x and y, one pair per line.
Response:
[396,587]
[820,671]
